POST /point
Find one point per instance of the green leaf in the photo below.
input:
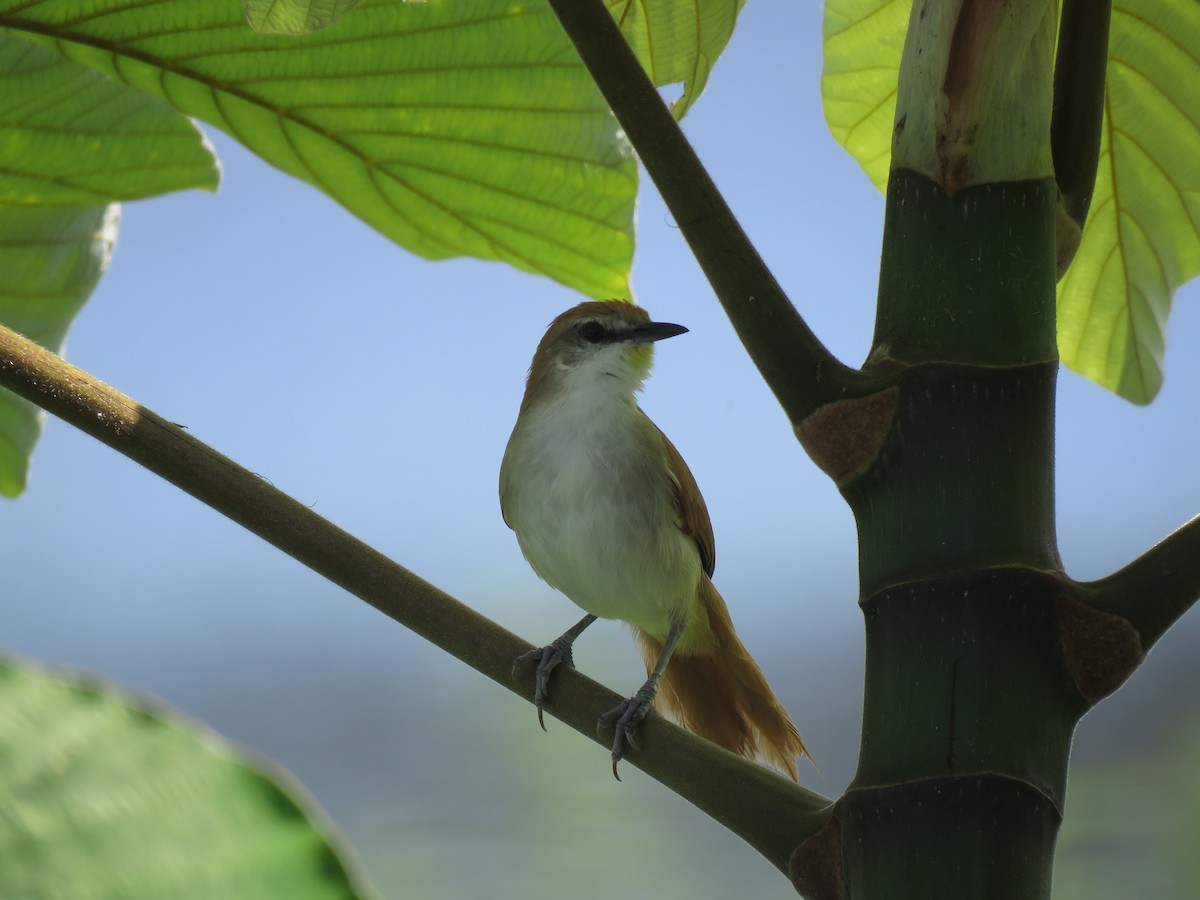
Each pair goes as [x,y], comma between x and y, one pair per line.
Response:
[678,41]
[294,16]
[71,140]
[863,41]
[50,260]
[1141,240]
[454,127]
[107,796]
[69,135]
[1142,237]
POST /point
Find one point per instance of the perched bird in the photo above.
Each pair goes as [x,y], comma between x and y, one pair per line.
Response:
[606,511]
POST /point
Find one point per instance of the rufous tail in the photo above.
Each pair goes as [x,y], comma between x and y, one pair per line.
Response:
[721,694]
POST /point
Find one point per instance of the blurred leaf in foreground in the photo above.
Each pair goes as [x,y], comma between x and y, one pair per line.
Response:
[111,796]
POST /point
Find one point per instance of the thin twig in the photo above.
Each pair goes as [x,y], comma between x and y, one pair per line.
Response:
[800,371]
[764,809]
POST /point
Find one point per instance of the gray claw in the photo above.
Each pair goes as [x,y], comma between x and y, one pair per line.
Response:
[627,716]
[542,662]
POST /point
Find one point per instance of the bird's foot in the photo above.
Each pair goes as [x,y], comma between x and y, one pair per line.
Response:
[541,663]
[624,720]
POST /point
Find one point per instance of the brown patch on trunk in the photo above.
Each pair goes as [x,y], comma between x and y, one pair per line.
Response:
[1101,649]
[968,72]
[816,865]
[844,437]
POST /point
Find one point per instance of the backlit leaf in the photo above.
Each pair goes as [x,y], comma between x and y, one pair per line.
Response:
[454,127]
[1142,237]
[71,140]
[294,16]
[678,40]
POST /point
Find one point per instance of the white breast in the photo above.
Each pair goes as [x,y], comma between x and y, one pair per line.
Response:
[587,491]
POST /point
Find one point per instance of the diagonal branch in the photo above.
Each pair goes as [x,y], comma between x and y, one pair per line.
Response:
[1158,587]
[800,371]
[768,812]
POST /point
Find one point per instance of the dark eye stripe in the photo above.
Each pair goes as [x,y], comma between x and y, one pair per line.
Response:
[593,332]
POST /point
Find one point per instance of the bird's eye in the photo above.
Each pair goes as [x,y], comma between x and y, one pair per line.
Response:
[593,332]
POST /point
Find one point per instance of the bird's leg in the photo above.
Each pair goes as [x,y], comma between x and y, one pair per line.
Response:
[629,714]
[544,660]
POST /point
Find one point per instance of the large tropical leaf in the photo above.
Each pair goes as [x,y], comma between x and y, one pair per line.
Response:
[1142,237]
[108,796]
[50,260]
[69,135]
[454,127]
[678,40]
[294,16]
[71,140]
[862,41]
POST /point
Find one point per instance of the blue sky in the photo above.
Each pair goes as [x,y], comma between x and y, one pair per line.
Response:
[381,389]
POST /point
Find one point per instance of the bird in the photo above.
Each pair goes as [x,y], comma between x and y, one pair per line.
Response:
[606,511]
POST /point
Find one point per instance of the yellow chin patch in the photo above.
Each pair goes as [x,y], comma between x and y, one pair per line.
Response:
[641,357]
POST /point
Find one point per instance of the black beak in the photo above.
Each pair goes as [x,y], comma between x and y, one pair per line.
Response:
[655,331]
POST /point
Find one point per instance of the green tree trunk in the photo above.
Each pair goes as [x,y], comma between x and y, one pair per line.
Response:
[981,657]
[970,705]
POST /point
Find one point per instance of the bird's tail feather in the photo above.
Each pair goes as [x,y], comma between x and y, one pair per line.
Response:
[721,694]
